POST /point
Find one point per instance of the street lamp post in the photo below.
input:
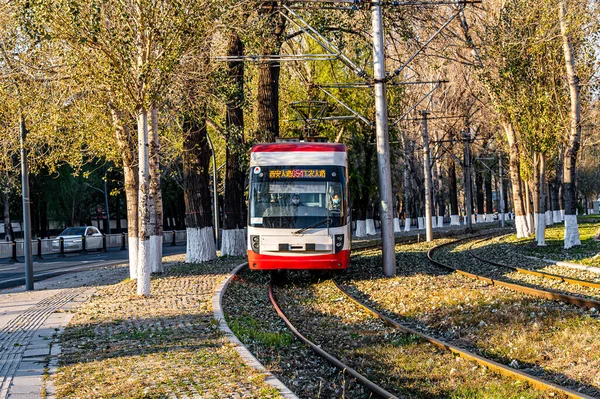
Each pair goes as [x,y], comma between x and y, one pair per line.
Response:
[27,247]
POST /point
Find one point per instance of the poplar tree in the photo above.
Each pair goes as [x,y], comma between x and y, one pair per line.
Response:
[128,52]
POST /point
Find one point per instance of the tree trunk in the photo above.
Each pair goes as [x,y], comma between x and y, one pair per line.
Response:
[234,237]
[489,204]
[268,73]
[480,196]
[196,193]
[9,236]
[441,203]
[540,204]
[127,147]
[408,189]
[571,237]
[156,216]
[453,193]
[515,177]
[145,205]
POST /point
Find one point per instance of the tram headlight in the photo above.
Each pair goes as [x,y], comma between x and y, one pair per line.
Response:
[338,242]
[255,243]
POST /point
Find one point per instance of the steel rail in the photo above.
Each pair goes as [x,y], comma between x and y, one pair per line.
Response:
[550,276]
[376,389]
[570,299]
[497,367]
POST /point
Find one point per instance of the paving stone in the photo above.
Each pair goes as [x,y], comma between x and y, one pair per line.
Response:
[37,352]
[29,384]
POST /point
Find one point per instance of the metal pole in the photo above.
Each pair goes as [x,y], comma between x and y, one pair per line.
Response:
[27,247]
[427,168]
[215,193]
[106,205]
[467,171]
[501,190]
[383,146]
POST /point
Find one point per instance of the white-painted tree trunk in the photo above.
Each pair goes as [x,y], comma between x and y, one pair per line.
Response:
[480,219]
[144,202]
[549,221]
[590,211]
[421,223]
[361,228]
[143,280]
[473,219]
[156,206]
[521,226]
[433,222]
[407,223]
[454,220]
[540,229]
[156,248]
[530,224]
[371,227]
[571,232]
[440,221]
[233,242]
[556,216]
[132,248]
[200,245]
[397,225]
[562,215]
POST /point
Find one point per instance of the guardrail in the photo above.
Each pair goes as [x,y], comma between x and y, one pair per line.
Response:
[61,246]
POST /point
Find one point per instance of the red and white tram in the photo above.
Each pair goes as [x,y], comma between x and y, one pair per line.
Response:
[298,207]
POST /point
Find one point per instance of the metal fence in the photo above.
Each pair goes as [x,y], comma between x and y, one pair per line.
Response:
[50,246]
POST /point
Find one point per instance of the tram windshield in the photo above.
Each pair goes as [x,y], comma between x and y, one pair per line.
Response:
[297,196]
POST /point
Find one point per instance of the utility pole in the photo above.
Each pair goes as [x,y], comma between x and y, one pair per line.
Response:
[383,145]
[27,247]
[501,190]
[427,167]
[467,172]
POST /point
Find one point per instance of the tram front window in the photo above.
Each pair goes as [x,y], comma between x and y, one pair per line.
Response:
[297,197]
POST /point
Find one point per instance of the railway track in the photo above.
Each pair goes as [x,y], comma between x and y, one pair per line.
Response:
[498,368]
[576,300]
[361,379]
[549,276]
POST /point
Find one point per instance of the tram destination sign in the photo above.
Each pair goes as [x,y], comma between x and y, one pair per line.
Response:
[297,174]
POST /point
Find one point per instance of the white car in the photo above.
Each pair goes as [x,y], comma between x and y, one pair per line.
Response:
[72,239]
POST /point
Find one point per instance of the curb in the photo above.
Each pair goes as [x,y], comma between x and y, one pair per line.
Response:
[247,357]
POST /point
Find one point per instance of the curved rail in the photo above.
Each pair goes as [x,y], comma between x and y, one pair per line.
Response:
[570,299]
[376,389]
[491,364]
[550,276]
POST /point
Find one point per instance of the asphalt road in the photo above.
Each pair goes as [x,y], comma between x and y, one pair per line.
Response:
[13,274]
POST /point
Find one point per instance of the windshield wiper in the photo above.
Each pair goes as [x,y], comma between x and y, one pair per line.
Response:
[320,222]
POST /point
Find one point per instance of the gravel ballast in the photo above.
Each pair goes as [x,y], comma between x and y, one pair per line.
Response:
[529,334]
[558,342]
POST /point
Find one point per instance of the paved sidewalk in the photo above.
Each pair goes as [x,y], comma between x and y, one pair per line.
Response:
[29,323]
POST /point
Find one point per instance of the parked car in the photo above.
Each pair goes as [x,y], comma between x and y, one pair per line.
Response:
[72,239]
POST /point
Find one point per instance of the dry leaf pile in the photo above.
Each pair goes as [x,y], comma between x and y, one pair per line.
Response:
[119,345]
[550,339]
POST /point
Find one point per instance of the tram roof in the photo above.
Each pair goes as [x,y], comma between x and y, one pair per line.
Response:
[299,147]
